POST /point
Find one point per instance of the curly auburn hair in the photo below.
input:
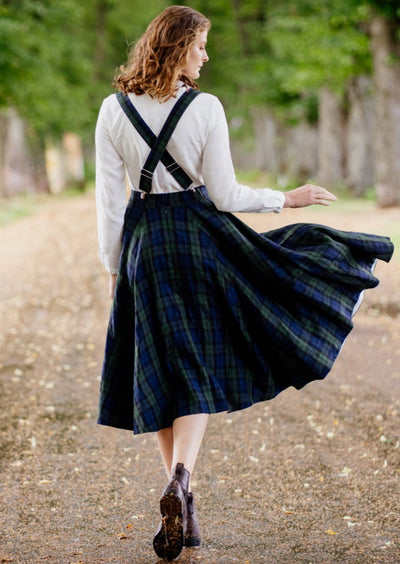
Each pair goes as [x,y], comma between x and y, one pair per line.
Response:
[156,62]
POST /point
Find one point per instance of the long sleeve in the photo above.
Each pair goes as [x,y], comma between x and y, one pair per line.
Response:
[219,176]
[110,196]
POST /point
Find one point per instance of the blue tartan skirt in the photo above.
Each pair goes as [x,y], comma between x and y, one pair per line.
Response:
[210,316]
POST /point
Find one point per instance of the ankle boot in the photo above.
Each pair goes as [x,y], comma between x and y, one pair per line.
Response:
[192,529]
[169,538]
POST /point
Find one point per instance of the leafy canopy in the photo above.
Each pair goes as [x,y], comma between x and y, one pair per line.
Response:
[57,59]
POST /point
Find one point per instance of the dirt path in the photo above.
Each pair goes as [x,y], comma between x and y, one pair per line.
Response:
[311,477]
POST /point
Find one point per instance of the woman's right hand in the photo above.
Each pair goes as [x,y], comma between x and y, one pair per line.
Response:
[112,280]
[308,195]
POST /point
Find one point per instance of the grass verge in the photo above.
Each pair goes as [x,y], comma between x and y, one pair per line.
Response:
[22,205]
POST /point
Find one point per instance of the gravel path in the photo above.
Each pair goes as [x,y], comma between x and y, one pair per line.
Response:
[310,477]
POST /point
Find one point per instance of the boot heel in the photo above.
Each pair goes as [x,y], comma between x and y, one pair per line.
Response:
[192,530]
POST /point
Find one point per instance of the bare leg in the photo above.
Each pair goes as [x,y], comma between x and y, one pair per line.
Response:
[179,446]
[188,434]
[181,442]
[165,439]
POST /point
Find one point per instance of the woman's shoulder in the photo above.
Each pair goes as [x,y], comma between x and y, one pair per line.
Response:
[209,99]
[107,106]
[209,103]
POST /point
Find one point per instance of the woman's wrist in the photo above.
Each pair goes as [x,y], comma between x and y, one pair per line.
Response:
[287,202]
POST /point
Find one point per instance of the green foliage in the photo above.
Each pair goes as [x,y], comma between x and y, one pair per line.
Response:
[279,54]
[319,44]
[58,59]
[388,8]
[43,65]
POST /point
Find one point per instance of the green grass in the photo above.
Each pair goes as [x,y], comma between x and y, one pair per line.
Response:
[16,207]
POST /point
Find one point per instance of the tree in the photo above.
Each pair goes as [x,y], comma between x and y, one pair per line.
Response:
[270,60]
[385,46]
[57,61]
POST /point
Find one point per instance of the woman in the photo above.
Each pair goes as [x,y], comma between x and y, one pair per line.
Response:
[207,315]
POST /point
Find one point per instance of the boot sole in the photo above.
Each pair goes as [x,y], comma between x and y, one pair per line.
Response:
[168,542]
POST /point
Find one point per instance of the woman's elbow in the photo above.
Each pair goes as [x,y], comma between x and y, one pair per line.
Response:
[222,204]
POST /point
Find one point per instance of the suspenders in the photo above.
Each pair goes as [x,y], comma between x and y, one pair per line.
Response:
[158,144]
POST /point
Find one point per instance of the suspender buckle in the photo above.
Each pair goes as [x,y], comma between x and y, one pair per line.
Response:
[172,167]
[146,173]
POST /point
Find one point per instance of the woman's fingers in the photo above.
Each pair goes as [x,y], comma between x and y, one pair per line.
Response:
[308,195]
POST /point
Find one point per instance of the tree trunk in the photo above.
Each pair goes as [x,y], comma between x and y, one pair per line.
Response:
[17,171]
[55,167]
[360,173]
[266,131]
[39,164]
[3,144]
[330,139]
[74,161]
[302,152]
[65,163]
[386,56]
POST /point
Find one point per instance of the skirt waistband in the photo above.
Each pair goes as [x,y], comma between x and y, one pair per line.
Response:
[169,199]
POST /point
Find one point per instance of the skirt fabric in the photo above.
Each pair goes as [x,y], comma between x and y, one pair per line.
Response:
[210,316]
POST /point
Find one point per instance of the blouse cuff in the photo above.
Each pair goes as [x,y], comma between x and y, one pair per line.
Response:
[107,262]
[280,201]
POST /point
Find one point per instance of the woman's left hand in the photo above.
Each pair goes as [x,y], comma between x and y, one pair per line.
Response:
[308,195]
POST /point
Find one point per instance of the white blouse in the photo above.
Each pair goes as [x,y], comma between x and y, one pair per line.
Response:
[199,144]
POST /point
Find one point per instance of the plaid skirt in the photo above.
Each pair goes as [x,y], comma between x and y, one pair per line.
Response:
[210,316]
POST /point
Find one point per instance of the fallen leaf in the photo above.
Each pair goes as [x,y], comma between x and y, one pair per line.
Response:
[330,532]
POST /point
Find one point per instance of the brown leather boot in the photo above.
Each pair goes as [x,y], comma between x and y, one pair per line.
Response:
[169,538]
[192,529]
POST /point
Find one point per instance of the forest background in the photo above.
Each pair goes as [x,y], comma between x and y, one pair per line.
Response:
[311,88]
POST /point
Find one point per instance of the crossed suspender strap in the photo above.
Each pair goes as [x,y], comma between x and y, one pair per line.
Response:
[158,144]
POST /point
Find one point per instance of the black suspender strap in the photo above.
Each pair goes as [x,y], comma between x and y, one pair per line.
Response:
[158,144]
